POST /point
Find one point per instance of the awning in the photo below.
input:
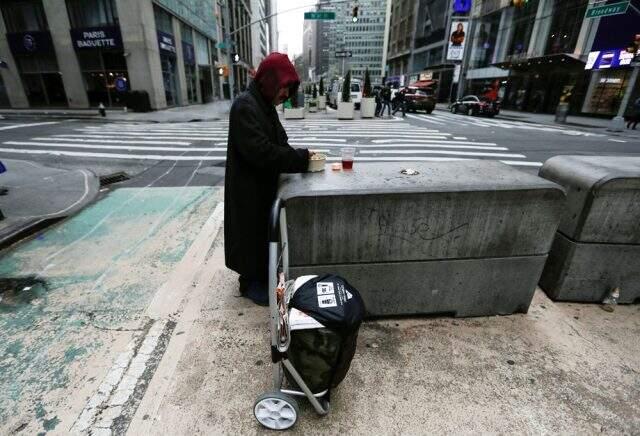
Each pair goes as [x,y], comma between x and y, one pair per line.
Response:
[542,62]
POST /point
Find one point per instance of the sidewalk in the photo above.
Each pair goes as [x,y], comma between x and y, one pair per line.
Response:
[561,368]
[38,194]
[200,112]
[548,119]
[140,329]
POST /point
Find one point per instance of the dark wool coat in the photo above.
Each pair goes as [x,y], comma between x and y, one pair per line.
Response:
[257,153]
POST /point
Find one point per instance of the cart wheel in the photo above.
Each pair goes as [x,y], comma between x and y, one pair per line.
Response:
[276,411]
[326,405]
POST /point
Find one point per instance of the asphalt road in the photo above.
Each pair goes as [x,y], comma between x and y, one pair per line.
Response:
[178,154]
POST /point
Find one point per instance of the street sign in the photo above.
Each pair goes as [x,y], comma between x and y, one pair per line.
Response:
[606,10]
[320,15]
[344,54]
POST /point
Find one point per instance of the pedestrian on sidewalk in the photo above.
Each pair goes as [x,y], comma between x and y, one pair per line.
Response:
[634,118]
[386,100]
[257,153]
[400,102]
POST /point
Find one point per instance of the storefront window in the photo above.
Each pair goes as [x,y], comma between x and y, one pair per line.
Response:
[523,21]
[188,54]
[92,13]
[166,41]
[105,76]
[24,15]
[565,26]
[41,80]
[608,93]
[485,40]
[163,20]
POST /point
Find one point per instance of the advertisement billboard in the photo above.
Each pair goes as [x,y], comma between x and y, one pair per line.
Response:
[606,59]
[457,40]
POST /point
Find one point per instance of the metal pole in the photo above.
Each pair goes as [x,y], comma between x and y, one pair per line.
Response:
[465,59]
[617,123]
[229,44]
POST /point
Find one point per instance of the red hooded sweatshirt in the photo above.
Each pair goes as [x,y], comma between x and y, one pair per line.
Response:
[275,72]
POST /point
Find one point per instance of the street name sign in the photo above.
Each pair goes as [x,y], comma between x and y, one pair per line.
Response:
[320,15]
[344,54]
[606,10]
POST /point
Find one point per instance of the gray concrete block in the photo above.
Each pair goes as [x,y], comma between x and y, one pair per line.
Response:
[461,288]
[375,214]
[587,272]
[603,197]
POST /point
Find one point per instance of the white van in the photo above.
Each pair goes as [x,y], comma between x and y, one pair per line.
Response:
[335,94]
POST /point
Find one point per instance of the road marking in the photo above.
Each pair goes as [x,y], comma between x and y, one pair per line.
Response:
[85,173]
[418,117]
[411,141]
[454,153]
[113,155]
[616,140]
[136,137]
[110,147]
[430,159]
[421,145]
[81,138]
[19,126]
[460,137]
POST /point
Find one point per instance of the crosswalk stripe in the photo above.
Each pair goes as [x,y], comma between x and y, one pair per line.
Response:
[419,145]
[398,141]
[123,137]
[423,118]
[408,160]
[109,147]
[453,153]
[113,155]
[110,141]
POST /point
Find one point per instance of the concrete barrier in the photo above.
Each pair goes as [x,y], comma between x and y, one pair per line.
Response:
[597,247]
[467,238]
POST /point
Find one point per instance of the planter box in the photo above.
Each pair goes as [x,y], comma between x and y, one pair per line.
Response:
[367,107]
[345,110]
[322,102]
[313,108]
[296,113]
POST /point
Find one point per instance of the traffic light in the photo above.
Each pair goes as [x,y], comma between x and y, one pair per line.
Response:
[634,46]
[519,3]
[354,14]
[236,58]
[223,71]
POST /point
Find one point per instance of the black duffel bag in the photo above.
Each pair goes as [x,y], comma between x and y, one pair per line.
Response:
[323,355]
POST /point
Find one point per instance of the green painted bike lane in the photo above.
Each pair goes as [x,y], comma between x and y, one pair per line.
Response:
[75,295]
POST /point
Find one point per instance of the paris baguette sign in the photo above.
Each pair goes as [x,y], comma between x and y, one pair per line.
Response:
[97,37]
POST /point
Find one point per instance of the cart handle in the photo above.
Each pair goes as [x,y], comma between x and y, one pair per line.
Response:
[274,220]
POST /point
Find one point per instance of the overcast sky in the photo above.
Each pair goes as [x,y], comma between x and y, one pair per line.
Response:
[290,24]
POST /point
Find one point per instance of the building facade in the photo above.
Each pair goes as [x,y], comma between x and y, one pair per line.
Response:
[80,53]
[528,53]
[418,42]
[364,38]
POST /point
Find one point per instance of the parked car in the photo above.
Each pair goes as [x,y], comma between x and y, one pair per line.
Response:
[474,105]
[419,99]
[336,93]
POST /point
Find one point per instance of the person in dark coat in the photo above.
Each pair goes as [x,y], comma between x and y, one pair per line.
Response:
[257,153]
